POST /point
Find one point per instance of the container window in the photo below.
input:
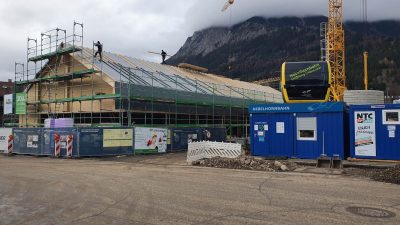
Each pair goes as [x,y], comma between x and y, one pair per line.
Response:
[391,116]
[307,128]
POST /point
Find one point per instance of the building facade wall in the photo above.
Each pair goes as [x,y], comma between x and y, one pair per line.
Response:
[46,92]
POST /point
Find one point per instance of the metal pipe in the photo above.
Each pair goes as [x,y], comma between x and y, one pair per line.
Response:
[366,70]
[129,100]
[121,115]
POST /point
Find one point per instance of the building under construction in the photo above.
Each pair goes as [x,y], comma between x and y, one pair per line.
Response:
[63,79]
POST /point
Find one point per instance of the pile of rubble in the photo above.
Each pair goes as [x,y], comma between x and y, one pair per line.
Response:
[246,163]
[391,175]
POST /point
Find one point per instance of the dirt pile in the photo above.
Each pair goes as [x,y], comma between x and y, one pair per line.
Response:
[246,163]
[391,175]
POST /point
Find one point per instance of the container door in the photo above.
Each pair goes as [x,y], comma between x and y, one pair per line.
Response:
[258,131]
[306,136]
[280,135]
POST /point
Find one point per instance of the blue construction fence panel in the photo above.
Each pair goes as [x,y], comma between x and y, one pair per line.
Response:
[375,132]
[86,141]
[49,141]
[28,141]
[105,141]
[181,137]
[213,134]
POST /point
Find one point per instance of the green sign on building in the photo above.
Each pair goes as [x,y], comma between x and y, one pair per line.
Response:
[20,103]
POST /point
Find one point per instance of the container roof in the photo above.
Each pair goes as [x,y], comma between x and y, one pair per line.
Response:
[325,107]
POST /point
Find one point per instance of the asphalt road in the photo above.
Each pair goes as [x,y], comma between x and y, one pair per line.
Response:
[163,190]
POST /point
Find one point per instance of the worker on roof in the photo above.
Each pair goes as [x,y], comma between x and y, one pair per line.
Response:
[163,55]
[99,50]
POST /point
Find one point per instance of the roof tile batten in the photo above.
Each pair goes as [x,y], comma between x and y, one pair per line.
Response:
[168,70]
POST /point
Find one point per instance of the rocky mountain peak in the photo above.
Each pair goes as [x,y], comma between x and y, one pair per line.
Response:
[256,48]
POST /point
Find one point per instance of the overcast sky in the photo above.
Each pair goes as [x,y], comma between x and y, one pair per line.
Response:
[133,27]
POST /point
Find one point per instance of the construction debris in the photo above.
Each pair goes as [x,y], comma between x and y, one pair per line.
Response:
[391,175]
[246,163]
[193,67]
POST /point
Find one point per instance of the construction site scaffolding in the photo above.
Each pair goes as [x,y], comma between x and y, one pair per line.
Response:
[63,79]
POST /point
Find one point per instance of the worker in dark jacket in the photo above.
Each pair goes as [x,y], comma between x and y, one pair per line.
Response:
[163,55]
[99,50]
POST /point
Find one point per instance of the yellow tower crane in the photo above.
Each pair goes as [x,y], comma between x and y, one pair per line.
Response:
[335,48]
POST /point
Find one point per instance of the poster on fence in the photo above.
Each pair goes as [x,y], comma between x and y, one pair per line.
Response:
[117,138]
[150,140]
[4,133]
[365,136]
[33,141]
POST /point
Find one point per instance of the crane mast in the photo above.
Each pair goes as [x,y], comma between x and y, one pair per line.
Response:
[335,48]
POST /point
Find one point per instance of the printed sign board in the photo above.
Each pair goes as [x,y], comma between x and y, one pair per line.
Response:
[280,127]
[4,133]
[365,133]
[305,70]
[117,138]
[150,140]
[305,80]
[32,141]
[20,103]
[8,104]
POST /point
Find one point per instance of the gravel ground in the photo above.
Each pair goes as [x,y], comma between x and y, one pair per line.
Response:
[391,175]
[360,172]
[162,189]
[247,163]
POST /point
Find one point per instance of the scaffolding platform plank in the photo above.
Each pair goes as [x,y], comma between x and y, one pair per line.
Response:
[83,98]
[70,76]
[183,102]
[59,51]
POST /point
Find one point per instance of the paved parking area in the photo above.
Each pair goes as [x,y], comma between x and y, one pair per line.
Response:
[164,190]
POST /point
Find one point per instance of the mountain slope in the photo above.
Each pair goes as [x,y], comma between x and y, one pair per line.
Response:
[256,48]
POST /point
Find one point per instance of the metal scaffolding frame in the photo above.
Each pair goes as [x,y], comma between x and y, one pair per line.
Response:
[62,78]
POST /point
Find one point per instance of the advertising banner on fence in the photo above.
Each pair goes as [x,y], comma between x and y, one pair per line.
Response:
[365,133]
[117,138]
[8,104]
[150,140]
[20,103]
[33,141]
[4,133]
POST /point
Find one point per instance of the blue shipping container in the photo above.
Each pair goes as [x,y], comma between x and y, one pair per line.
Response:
[375,132]
[298,130]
